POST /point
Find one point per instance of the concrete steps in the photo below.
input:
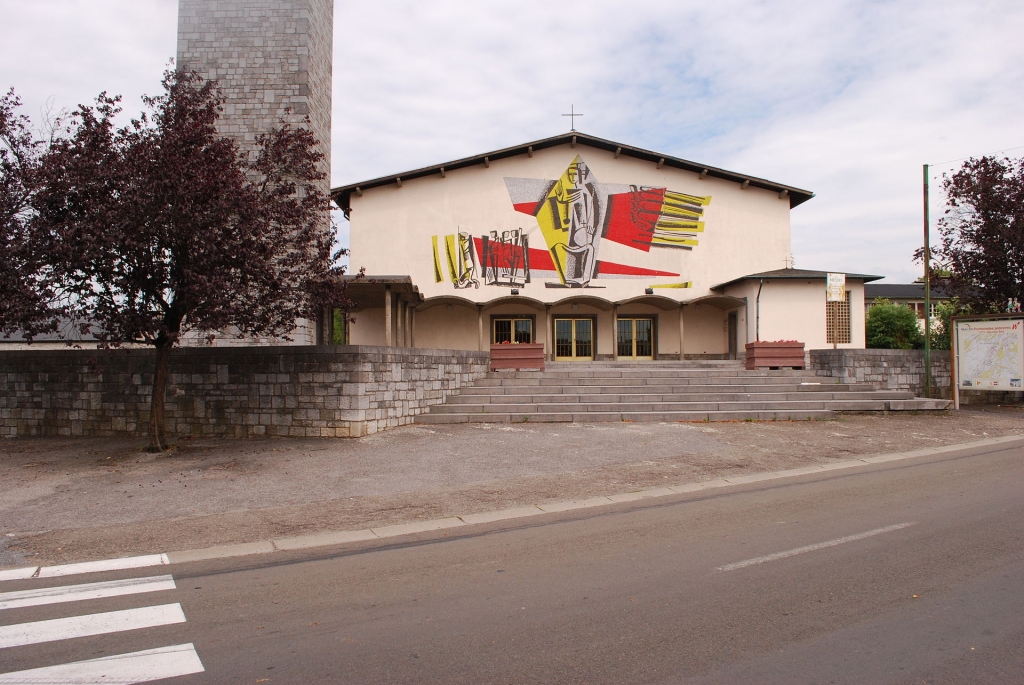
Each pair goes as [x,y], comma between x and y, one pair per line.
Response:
[704,390]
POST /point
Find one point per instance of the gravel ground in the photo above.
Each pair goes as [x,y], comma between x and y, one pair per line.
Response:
[78,499]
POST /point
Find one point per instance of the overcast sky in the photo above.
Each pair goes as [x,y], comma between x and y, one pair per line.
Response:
[846,99]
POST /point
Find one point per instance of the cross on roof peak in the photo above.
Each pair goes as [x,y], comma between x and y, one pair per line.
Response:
[572,116]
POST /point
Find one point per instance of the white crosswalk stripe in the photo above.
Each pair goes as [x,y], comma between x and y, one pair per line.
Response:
[135,667]
[122,669]
[74,593]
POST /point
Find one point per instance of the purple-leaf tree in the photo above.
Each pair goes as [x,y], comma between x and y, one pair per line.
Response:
[26,298]
[983,233]
[163,227]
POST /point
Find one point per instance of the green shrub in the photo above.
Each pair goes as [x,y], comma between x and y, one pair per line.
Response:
[893,327]
[944,311]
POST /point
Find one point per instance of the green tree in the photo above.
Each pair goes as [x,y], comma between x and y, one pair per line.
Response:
[944,311]
[893,327]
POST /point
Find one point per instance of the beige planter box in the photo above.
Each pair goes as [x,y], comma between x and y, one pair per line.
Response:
[762,355]
[521,356]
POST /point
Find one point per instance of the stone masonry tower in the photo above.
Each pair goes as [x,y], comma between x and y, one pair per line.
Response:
[268,56]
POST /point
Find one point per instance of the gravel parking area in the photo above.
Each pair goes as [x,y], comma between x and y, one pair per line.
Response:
[75,499]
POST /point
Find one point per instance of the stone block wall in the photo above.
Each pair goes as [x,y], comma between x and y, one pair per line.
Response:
[325,391]
[899,370]
[268,56]
[889,369]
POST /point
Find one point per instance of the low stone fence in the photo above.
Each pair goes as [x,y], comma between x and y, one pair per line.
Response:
[899,370]
[323,391]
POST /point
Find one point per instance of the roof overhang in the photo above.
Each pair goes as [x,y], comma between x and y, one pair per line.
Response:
[659,301]
[368,292]
[794,275]
[723,302]
[342,194]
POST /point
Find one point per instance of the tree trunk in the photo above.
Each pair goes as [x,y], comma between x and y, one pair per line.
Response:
[157,441]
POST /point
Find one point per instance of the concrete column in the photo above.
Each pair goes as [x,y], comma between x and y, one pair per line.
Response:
[400,323]
[412,327]
[681,331]
[387,316]
[615,332]
[480,327]
[549,335]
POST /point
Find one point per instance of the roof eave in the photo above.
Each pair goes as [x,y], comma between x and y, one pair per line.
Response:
[866,278]
[342,194]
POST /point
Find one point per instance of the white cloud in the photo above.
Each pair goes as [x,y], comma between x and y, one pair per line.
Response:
[847,99]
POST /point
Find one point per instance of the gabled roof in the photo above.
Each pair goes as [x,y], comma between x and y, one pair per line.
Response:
[794,274]
[342,194]
[902,291]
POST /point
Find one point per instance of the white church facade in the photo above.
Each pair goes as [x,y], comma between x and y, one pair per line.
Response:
[599,250]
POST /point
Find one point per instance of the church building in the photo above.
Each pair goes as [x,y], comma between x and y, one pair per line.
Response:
[599,250]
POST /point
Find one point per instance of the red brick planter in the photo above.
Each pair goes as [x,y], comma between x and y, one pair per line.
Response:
[521,356]
[762,355]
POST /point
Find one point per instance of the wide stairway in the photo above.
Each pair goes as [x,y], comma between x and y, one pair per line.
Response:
[664,391]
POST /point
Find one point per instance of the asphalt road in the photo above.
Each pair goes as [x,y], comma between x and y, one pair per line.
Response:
[909,572]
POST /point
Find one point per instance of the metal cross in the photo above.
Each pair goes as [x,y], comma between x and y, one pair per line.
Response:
[572,117]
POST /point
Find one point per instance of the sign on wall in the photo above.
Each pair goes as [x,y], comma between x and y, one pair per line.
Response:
[989,354]
[835,288]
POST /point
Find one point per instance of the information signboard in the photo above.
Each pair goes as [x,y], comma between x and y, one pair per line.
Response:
[835,288]
[989,354]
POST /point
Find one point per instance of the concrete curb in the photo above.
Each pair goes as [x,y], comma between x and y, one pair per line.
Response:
[331,538]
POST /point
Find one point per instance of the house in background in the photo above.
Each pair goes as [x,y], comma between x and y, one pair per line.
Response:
[597,249]
[908,294]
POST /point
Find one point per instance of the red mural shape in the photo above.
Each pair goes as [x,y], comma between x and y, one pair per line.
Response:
[632,217]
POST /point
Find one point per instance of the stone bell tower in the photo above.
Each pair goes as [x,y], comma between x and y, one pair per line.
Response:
[268,56]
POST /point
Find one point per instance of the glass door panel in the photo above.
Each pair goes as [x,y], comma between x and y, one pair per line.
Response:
[635,339]
[502,331]
[584,338]
[513,330]
[625,338]
[524,330]
[574,339]
[563,338]
[644,339]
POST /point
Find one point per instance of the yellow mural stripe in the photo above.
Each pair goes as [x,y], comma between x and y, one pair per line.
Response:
[676,214]
[672,241]
[438,275]
[696,226]
[672,196]
[684,284]
[452,249]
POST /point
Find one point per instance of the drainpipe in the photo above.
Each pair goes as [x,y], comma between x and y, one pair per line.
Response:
[757,325]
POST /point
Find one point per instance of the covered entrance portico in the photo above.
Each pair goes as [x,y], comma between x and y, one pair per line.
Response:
[577,328]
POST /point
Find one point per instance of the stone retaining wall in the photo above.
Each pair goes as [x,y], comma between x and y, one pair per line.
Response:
[326,391]
[898,370]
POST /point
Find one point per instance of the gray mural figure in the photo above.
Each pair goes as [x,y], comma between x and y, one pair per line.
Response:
[580,220]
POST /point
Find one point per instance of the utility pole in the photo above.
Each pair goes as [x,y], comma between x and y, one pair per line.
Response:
[927,296]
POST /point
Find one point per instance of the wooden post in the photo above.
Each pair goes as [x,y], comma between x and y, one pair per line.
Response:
[387,316]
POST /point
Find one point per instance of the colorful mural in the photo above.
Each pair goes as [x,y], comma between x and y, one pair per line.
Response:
[461,259]
[574,214]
